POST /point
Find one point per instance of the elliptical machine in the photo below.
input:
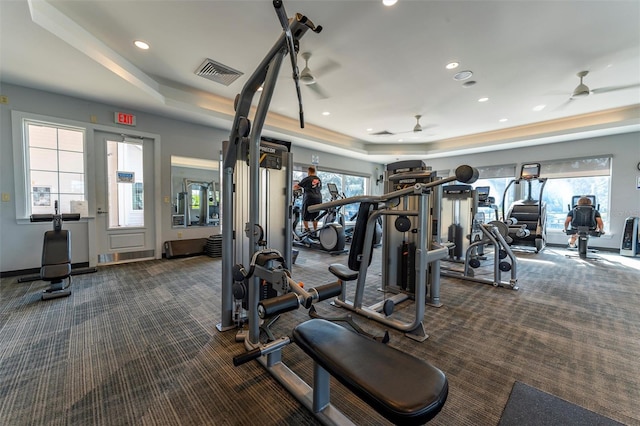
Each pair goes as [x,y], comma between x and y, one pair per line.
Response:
[330,237]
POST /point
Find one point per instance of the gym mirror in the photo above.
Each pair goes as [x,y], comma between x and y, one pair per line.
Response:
[195,185]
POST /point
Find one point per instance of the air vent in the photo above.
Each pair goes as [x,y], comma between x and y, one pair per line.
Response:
[217,72]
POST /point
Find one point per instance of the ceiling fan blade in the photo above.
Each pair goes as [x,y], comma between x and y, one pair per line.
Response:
[614,88]
[329,66]
[382,133]
[422,128]
[318,91]
[564,104]
[557,93]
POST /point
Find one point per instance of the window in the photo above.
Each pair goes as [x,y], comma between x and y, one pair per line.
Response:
[138,196]
[55,167]
[348,185]
[497,178]
[582,176]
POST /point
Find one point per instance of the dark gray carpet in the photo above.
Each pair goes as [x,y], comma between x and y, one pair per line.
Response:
[136,344]
[528,406]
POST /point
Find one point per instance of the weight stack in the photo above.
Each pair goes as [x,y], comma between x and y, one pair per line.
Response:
[213,246]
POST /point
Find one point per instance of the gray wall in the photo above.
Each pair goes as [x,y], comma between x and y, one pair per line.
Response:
[21,244]
[625,197]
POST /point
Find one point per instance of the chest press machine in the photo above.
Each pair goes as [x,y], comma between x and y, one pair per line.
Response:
[404,389]
[411,266]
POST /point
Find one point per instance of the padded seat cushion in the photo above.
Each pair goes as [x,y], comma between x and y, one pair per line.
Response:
[55,272]
[343,272]
[404,389]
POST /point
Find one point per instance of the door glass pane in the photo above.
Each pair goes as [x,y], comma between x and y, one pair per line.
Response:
[124,171]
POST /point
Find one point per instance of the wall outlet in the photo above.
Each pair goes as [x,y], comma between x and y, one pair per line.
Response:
[179,234]
[6,197]
[93,119]
[167,200]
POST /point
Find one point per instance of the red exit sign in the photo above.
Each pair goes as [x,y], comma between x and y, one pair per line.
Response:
[124,118]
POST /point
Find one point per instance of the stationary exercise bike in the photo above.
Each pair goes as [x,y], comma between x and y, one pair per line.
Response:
[56,255]
[330,237]
[583,223]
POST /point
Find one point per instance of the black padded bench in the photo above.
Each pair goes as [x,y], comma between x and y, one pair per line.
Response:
[404,389]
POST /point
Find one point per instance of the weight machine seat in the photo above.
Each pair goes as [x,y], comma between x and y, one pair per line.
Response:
[56,256]
[342,272]
[350,273]
[404,389]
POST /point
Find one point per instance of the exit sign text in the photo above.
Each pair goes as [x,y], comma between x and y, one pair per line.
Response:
[124,118]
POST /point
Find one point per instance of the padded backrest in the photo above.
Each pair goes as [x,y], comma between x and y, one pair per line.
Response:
[584,216]
[57,248]
[357,241]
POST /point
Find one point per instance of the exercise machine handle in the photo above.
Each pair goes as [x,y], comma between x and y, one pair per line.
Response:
[284,21]
[261,350]
[327,291]
[464,174]
[41,218]
[298,296]
[48,217]
[246,357]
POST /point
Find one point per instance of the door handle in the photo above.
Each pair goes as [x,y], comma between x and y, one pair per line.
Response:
[101,212]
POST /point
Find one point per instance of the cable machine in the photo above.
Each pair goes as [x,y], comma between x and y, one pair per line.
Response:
[253,191]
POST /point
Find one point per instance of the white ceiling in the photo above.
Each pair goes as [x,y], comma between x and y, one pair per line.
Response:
[387,65]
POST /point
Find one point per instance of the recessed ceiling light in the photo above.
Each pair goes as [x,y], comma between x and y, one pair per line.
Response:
[502,120]
[452,65]
[400,140]
[462,75]
[389,2]
[141,44]
[326,113]
[539,107]
[369,129]
[483,99]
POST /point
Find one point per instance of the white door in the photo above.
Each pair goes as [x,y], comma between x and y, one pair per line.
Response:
[125,223]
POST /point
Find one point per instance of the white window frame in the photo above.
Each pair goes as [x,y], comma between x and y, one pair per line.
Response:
[19,121]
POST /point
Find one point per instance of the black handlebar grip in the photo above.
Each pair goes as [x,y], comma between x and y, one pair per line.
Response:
[467,174]
[246,357]
[328,290]
[41,218]
[278,305]
[70,216]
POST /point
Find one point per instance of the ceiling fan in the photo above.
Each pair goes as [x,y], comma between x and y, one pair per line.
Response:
[310,79]
[582,90]
[416,129]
